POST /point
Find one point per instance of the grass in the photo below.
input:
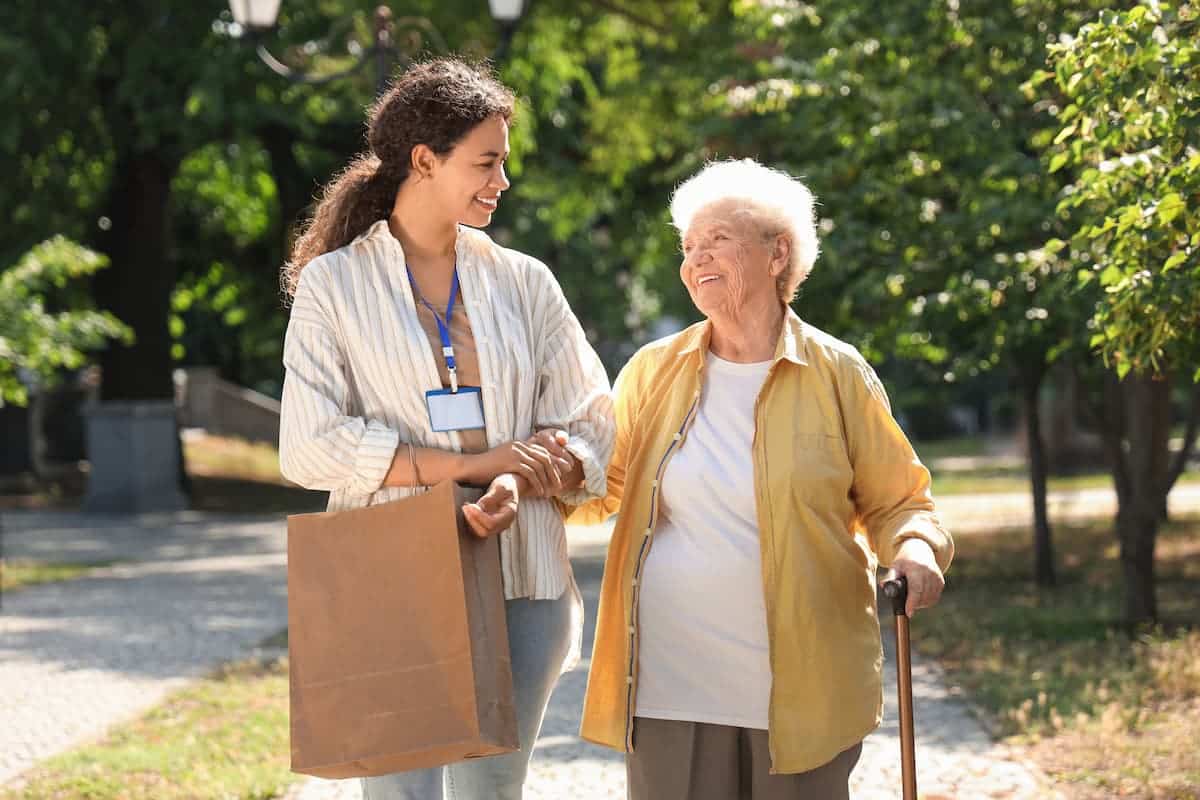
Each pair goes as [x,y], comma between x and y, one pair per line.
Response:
[952,448]
[986,481]
[224,737]
[19,573]
[1104,712]
[233,475]
[228,457]
[227,475]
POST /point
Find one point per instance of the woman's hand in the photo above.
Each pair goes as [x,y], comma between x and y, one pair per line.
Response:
[916,562]
[554,441]
[496,510]
[531,460]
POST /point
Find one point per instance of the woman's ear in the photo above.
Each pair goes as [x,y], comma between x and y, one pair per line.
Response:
[422,161]
[781,255]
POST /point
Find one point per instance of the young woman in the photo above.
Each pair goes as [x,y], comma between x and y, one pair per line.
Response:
[420,351]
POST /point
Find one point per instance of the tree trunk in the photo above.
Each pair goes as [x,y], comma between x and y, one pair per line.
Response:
[138,283]
[293,191]
[1043,544]
[1137,531]
[1140,405]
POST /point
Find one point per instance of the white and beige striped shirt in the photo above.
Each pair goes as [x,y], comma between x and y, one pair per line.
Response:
[359,364]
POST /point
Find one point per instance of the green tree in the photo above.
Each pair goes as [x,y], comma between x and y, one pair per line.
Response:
[915,134]
[37,343]
[1129,134]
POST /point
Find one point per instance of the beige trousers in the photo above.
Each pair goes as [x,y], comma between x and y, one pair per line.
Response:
[675,760]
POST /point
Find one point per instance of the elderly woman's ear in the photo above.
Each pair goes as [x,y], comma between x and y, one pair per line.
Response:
[781,255]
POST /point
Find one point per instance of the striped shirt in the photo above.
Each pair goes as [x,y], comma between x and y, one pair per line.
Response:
[359,363]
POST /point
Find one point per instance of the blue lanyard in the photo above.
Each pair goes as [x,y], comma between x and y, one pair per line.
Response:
[443,325]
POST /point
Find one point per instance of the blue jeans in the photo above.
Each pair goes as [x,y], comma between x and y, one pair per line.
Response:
[539,638]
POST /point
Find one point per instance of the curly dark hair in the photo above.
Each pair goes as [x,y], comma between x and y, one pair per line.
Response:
[435,103]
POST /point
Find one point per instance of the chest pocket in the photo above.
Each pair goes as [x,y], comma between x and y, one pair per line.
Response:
[824,442]
[814,447]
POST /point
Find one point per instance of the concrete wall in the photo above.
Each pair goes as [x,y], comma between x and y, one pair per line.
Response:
[222,408]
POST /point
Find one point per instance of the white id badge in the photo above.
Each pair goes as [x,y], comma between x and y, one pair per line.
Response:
[455,411]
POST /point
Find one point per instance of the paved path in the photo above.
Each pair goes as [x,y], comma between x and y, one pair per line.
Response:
[966,513]
[78,656]
[198,589]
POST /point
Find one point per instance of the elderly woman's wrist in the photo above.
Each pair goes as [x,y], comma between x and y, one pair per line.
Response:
[917,548]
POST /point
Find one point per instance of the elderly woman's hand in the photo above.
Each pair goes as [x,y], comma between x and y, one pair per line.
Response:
[916,562]
[570,470]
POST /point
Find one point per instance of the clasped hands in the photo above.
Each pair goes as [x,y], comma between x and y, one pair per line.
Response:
[539,466]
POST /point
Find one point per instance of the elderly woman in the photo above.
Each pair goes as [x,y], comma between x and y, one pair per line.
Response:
[760,477]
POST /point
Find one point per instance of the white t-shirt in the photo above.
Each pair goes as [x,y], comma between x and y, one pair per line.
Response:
[702,650]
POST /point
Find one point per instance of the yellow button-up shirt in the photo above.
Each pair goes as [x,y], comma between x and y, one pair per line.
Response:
[837,489]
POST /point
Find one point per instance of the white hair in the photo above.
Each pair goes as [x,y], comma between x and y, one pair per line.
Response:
[778,203]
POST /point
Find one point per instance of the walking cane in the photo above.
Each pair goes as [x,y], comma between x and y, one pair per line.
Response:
[895,587]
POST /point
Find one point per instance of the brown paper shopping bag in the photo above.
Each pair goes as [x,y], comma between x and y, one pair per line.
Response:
[396,639]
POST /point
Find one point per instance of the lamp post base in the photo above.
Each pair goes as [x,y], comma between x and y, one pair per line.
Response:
[133,448]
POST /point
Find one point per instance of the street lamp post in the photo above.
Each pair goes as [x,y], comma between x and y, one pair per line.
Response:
[507,14]
[259,17]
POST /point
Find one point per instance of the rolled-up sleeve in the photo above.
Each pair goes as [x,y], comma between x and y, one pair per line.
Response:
[574,393]
[321,446]
[600,508]
[891,487]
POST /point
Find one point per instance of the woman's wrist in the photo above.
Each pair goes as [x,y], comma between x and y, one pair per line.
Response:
[471,468]
[518,481]
[424,466]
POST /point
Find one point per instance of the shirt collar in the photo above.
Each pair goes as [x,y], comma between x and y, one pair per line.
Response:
[791,344]
[468,239]
[378,229]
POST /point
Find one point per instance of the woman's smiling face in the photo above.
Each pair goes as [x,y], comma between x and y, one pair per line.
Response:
[727,266]
[468,181]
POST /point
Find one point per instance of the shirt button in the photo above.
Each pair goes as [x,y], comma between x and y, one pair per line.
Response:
[632,630]
[653,484]
[678,436]
[649,531]
[635,581]
[629,679]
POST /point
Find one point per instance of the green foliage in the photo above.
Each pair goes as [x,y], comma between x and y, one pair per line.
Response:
[1129,132]
[37,342]
[911,127]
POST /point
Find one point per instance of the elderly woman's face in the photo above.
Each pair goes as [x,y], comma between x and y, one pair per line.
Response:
[727,266]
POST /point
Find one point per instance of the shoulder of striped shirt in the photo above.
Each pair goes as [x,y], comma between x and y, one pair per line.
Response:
[528,275]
